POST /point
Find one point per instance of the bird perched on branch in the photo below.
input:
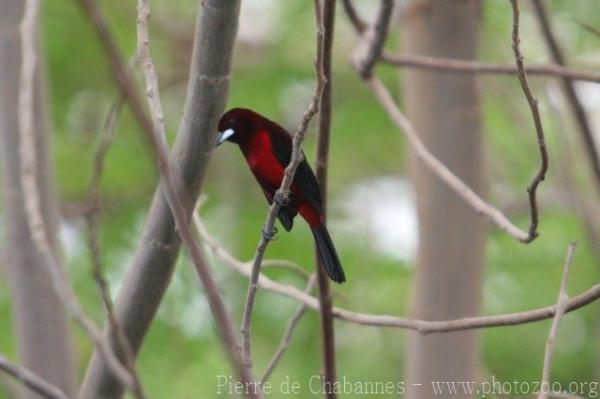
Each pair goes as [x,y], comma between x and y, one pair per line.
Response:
[267,148]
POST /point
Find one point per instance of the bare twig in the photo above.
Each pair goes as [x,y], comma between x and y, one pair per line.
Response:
[285,264]
[478,67]
[533,105]
[561,306]
[353,16]
[593,30]
[325,16]
[31,195]
[279,199]
[157,138]
[373,38]
[438,168]
[423,326]
[287,335]
[568,88]
[31,380]
[577,198]
[91,216]
[469,66]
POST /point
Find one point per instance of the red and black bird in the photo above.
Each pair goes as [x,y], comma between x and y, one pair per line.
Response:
[267,148]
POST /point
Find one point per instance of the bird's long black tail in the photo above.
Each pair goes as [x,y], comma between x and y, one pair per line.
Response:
[327,254]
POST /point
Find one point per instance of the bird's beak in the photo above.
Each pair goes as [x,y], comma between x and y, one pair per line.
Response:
[223,136]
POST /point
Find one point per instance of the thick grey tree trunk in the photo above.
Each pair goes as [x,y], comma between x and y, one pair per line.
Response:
[150,273]
[445,111]
[40,321]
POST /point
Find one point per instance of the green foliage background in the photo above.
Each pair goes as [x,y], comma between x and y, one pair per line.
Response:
[181,357]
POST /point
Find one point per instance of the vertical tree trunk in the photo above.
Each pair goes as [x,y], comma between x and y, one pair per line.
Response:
[40,320]
[445,111]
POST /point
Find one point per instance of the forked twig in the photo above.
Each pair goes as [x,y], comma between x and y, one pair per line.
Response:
[287,335]
[373,39]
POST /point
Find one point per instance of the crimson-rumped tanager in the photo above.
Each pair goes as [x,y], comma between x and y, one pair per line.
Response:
[267,148]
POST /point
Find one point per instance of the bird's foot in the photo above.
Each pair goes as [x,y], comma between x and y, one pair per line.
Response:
[270,235]
[282,198]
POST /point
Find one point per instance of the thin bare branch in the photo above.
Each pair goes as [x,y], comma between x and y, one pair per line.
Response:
[438,168]
[280,198]
[359,25]
[593,30]
[533,105]
[287,335]
[568,88]
[31,380]
[157,138]
[373,39]
[561,306]
[325,16]
[579,200]
[469,66]
[478,67]
[285,264]
[31,195]
[423,326]
[91,216]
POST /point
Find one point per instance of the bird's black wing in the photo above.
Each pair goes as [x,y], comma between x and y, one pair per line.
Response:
[304,178]
[286,217]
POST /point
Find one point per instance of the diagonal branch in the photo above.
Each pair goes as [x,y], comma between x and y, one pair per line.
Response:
[155,257]
[157,138]
[367,319]
[591,29]
[31,380]
[455,183]
[92,219]
[568,87]
[373,38]
[561,306]
[438,168]
[287,335]
[31,195]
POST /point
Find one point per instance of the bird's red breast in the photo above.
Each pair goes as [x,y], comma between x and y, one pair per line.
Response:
[261,159]
[269,172]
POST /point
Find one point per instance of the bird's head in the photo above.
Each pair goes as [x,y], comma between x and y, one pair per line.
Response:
[237,124]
